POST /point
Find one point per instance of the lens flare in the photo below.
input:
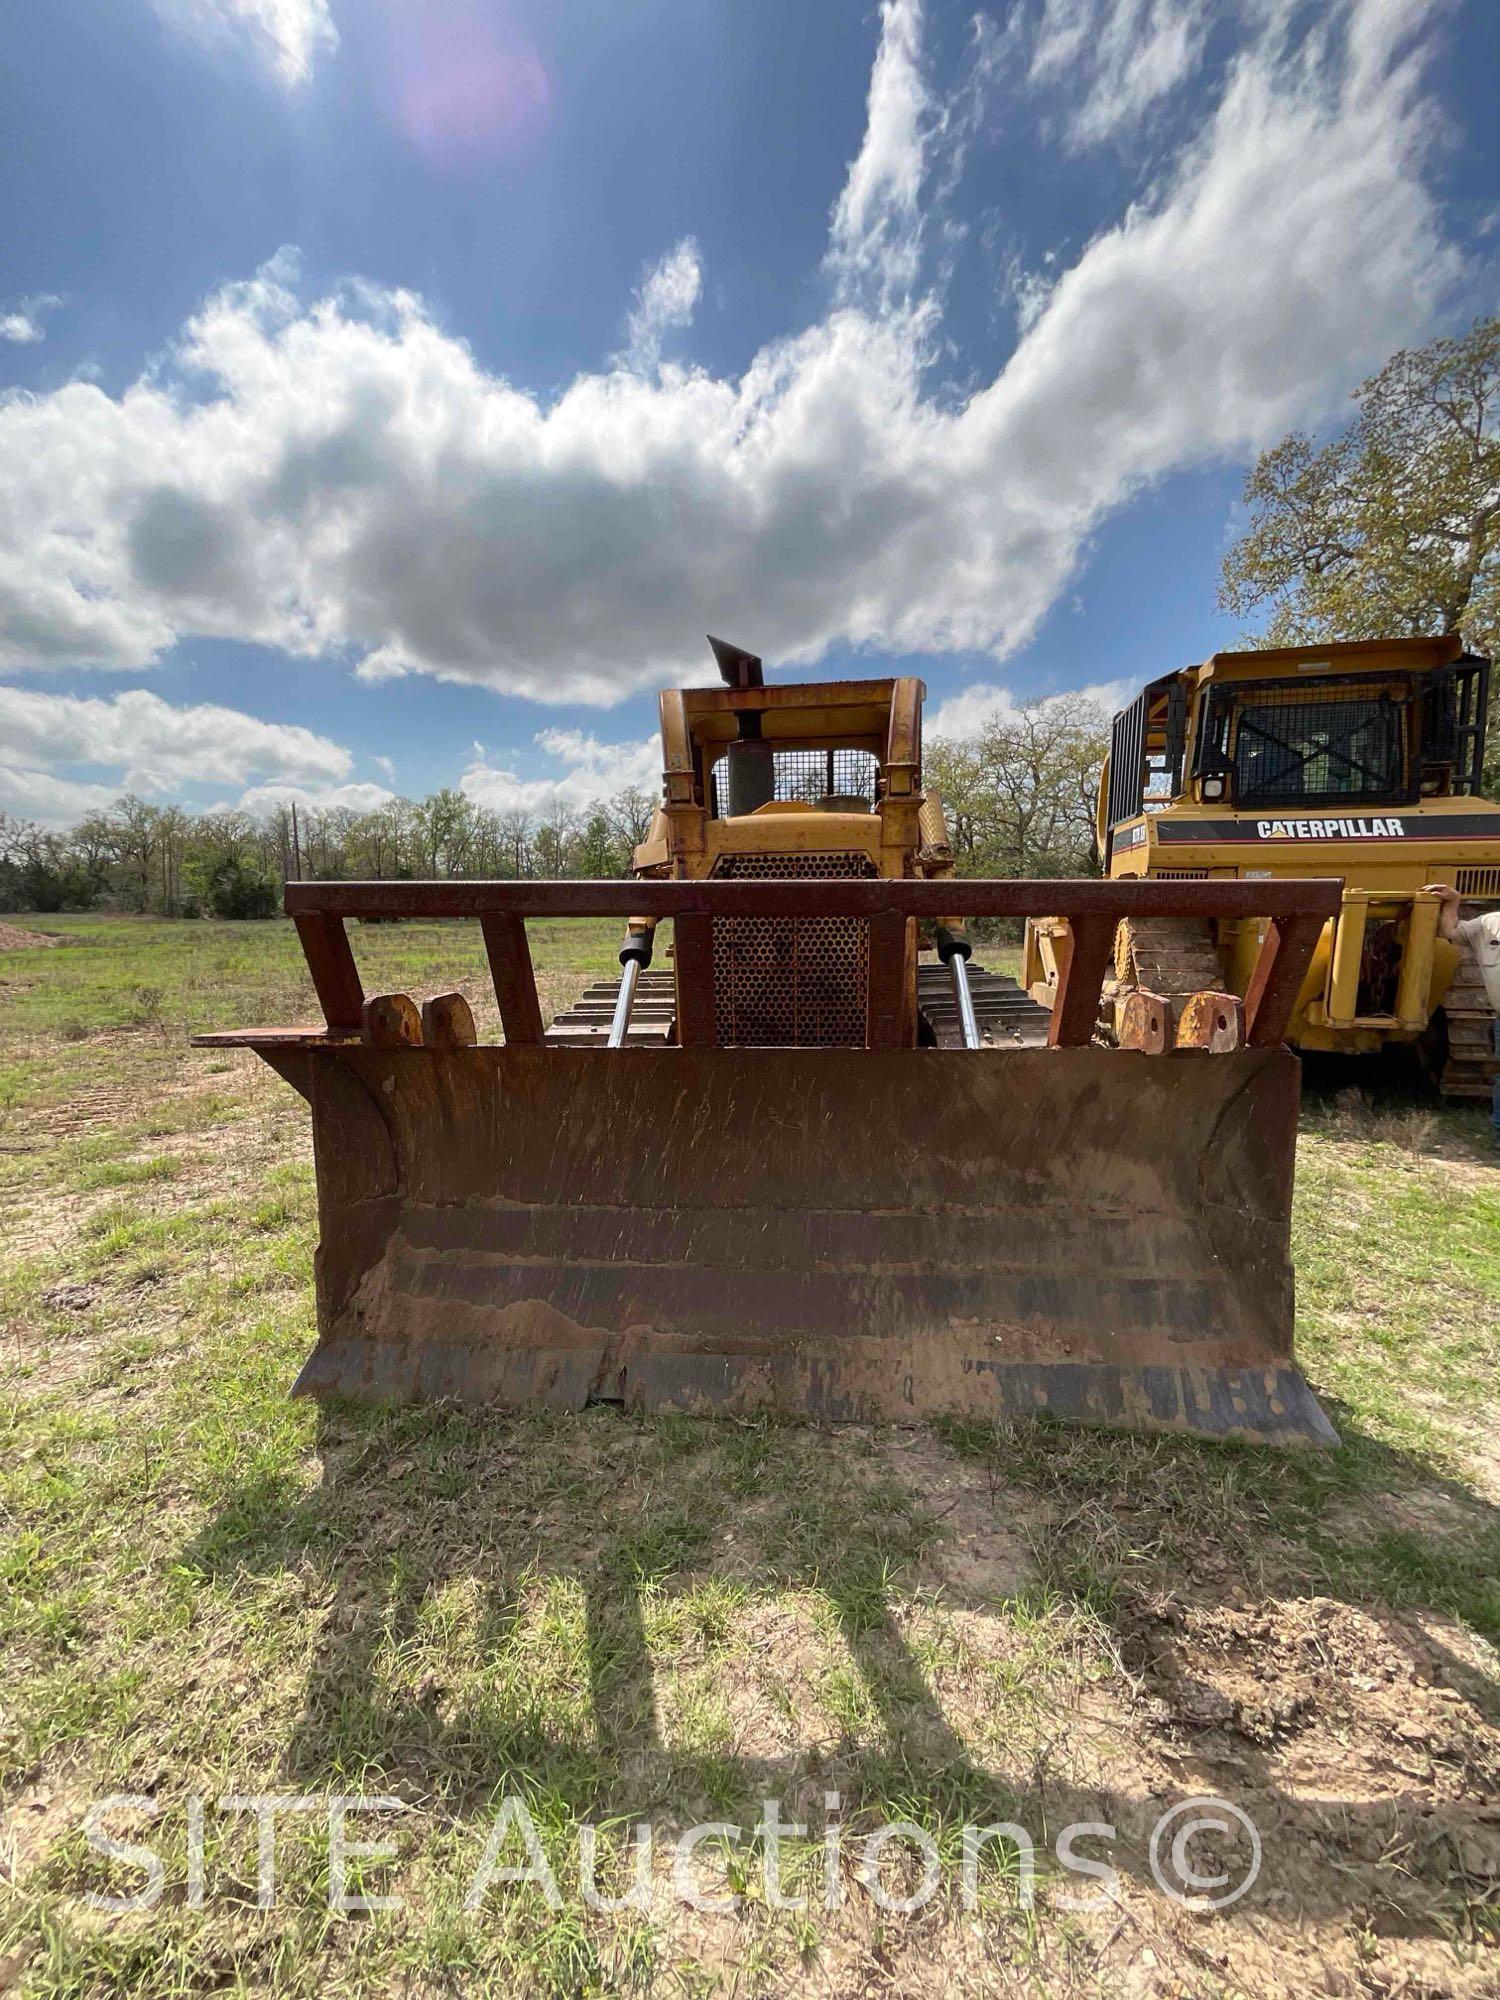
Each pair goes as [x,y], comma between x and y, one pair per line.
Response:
[467,84]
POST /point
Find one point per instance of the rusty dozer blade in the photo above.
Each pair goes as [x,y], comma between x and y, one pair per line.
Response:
[840,1233]
[892,1231]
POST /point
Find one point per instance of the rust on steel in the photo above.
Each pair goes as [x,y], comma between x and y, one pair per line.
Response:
[509,954]
[716,897]
[879,1232]
[448,1022]
[1297,911]
[693,951]
[728,1229]
[1091,946]
[1145,1023]
[335,978]
[1213,1021]
[886,1004]
[1276,980]
[392,1021]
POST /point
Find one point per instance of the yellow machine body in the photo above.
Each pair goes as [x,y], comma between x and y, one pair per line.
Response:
[1216,773]
[841,764]
[799,1173]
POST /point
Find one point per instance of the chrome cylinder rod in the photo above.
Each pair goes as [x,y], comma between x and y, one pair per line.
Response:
[958,965]
[619,1026]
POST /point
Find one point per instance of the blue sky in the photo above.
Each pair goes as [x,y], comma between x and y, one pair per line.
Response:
[395,392]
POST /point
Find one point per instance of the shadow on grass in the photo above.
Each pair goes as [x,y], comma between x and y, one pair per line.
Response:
[1400,1082]
[429,1519]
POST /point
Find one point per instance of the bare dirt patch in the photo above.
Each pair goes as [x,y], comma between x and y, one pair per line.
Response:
[1331,1697]
[1435,1511]
[983,1554]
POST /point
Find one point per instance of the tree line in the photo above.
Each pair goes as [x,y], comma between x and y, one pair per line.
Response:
[166,861]
[1019,796]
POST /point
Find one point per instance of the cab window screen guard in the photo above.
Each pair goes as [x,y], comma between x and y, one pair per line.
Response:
[1142,779]
[1285,745]
[806,776]
[1127,761]
[1454,703]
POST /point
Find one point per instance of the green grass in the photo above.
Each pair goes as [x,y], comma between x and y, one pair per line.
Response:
[207,1587]
[143,972]
[1398,1272]
[127,1173]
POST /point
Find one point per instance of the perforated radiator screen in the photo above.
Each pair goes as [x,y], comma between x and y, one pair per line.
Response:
[784,982]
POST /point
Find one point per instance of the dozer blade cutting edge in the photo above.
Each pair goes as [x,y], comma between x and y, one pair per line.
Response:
[848,1233]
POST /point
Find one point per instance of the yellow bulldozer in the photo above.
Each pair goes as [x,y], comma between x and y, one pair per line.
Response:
[818,1162]
[1357,760]
[810,783]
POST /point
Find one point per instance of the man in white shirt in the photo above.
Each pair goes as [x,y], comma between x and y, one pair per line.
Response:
[1482,936]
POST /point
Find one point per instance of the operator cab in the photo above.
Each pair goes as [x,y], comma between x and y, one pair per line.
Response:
[761,770]
[1353,726]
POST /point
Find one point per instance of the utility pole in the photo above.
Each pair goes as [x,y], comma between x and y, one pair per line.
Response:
[296,846]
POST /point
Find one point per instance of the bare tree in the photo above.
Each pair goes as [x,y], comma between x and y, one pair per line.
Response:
[553,838]
[1019,796]
[629,813]
[516,829]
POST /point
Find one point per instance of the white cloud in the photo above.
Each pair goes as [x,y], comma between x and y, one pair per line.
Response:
[345,478]
[287,36]
[50,800]
[667,297]
[22,324]
[386,663]
[876,231]
[1030,290]
[592,770]
[149,745]
[385,764]
[360,798]
[1115,59]
[968,711]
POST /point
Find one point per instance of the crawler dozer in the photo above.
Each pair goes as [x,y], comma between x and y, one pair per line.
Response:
[797,1168]
[1359,760]
[808,783]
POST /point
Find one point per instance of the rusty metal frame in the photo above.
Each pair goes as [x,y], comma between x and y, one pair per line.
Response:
[964,896]
[1296,912]
[851,1233]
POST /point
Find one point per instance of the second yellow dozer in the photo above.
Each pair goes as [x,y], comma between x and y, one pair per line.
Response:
[798,1170]
[1360,760]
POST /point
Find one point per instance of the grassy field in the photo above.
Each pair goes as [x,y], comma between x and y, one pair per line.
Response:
[212,1592]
